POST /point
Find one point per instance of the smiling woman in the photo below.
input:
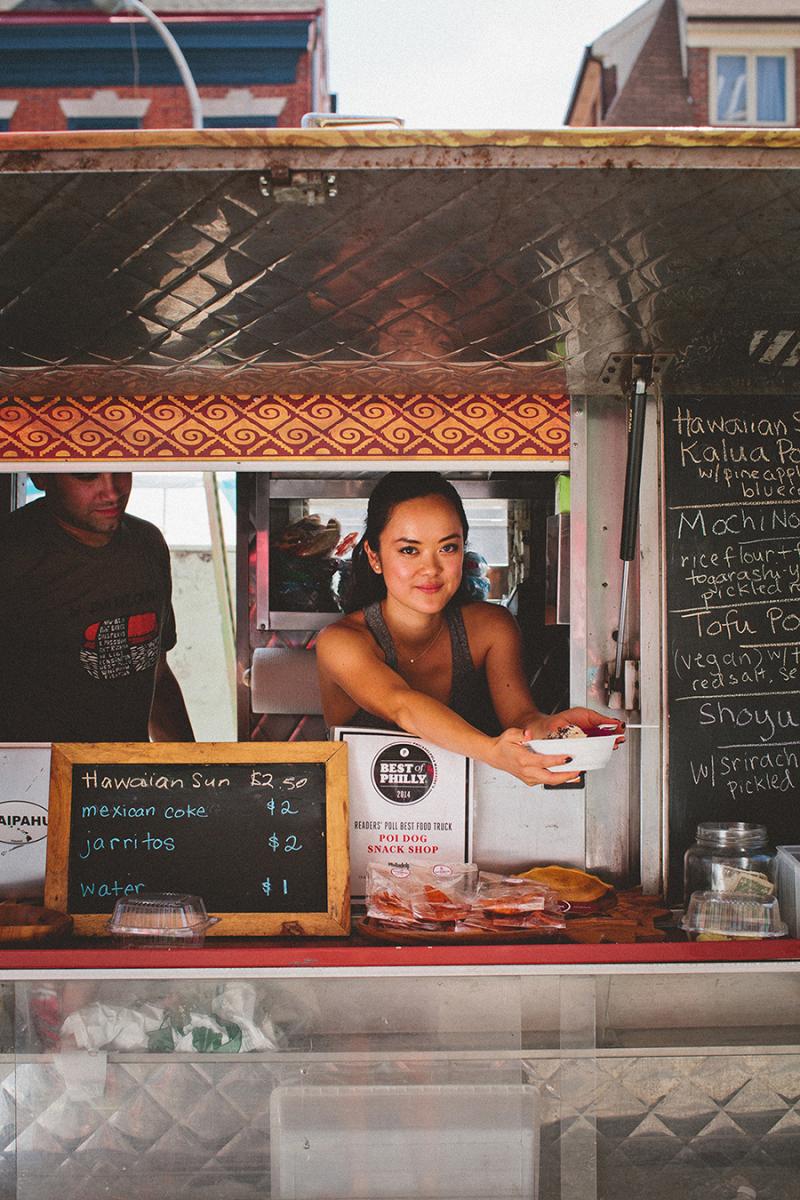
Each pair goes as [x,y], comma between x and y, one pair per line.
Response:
[387,663]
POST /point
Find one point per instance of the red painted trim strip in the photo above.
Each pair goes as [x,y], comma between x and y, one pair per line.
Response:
[249,953]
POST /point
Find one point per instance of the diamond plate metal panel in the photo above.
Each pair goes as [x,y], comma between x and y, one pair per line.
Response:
[162,1130]
[442,278]
[698,1126]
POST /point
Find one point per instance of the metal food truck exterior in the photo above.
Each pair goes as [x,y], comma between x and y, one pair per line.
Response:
[311,308]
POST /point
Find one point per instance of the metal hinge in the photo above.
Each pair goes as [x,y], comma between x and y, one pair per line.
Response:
[623,691]
[625,368]
[286,186]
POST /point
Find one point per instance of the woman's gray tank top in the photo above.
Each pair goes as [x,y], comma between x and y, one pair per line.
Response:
[469,690]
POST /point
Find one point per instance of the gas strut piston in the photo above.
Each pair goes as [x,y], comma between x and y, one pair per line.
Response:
[620,696]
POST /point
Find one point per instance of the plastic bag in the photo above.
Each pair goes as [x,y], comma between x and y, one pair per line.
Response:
[420,895]
[508,902]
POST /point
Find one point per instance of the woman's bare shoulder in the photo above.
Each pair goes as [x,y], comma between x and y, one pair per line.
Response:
[350,629]
[482,616]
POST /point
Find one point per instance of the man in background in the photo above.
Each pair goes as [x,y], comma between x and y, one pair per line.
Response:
[86,618]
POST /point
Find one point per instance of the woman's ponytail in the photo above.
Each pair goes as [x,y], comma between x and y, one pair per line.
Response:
[364,585]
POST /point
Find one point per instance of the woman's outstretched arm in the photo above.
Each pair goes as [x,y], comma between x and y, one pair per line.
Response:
[497,631]
[347,662]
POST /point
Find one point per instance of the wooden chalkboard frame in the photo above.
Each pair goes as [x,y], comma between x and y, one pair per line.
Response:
[335,922]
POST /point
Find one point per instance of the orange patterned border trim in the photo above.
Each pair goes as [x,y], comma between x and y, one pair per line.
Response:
[168,428]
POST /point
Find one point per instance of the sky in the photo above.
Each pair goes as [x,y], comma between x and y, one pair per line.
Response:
[468,64]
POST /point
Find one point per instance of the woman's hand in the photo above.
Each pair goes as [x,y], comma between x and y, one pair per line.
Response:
[510,754]
[584,718]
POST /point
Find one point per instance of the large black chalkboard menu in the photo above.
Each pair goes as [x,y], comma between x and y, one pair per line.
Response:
[733,626]
[259,831]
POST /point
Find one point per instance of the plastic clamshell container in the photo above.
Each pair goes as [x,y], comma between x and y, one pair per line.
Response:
[787,885]
[725,916]
[383,1142]
[586,754]
[160,919]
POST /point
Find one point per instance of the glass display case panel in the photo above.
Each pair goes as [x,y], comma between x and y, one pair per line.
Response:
[643,1084]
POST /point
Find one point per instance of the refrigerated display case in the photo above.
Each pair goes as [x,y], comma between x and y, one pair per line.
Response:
[491,1081]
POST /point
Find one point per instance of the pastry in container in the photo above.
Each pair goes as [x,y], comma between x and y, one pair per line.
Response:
[160,919]
[730,917]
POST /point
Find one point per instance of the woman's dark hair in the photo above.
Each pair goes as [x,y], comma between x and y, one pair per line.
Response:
[365,586]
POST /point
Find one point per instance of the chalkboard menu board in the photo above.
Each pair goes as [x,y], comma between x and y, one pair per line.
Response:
[733,629]
[259,831]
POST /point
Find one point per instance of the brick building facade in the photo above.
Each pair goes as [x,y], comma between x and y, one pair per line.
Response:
[694,62]
[64,64]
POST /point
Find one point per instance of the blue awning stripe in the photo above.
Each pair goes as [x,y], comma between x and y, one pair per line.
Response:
[94,55]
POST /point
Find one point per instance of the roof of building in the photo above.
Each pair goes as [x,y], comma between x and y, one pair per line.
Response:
[738,10]
[621,45]
[642,69]
[655,91]
[177,7]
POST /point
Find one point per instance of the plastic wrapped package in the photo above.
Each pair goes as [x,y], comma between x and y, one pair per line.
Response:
[456,897]
[419,895]
[508,902]
[475,575]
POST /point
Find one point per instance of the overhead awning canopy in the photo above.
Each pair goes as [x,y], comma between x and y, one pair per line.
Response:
[447,262]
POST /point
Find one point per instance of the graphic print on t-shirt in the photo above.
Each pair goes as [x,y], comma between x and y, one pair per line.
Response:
[120,646]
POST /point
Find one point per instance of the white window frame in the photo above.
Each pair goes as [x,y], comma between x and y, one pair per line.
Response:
[104,103]
[240,102]
[750,56]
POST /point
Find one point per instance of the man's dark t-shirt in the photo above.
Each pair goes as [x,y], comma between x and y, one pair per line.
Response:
[81,629]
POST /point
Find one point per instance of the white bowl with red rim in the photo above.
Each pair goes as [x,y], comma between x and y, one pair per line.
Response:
[588,753]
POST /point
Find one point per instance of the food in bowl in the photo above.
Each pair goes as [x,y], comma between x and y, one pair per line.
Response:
[587,752]
[567,731]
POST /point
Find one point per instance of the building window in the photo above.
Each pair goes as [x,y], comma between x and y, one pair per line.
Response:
[103,123]
[239,122]
[752,89]
[104,109]
[7,110]
[240,109]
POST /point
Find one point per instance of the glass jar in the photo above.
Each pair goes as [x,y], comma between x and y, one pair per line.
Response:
[729,856]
